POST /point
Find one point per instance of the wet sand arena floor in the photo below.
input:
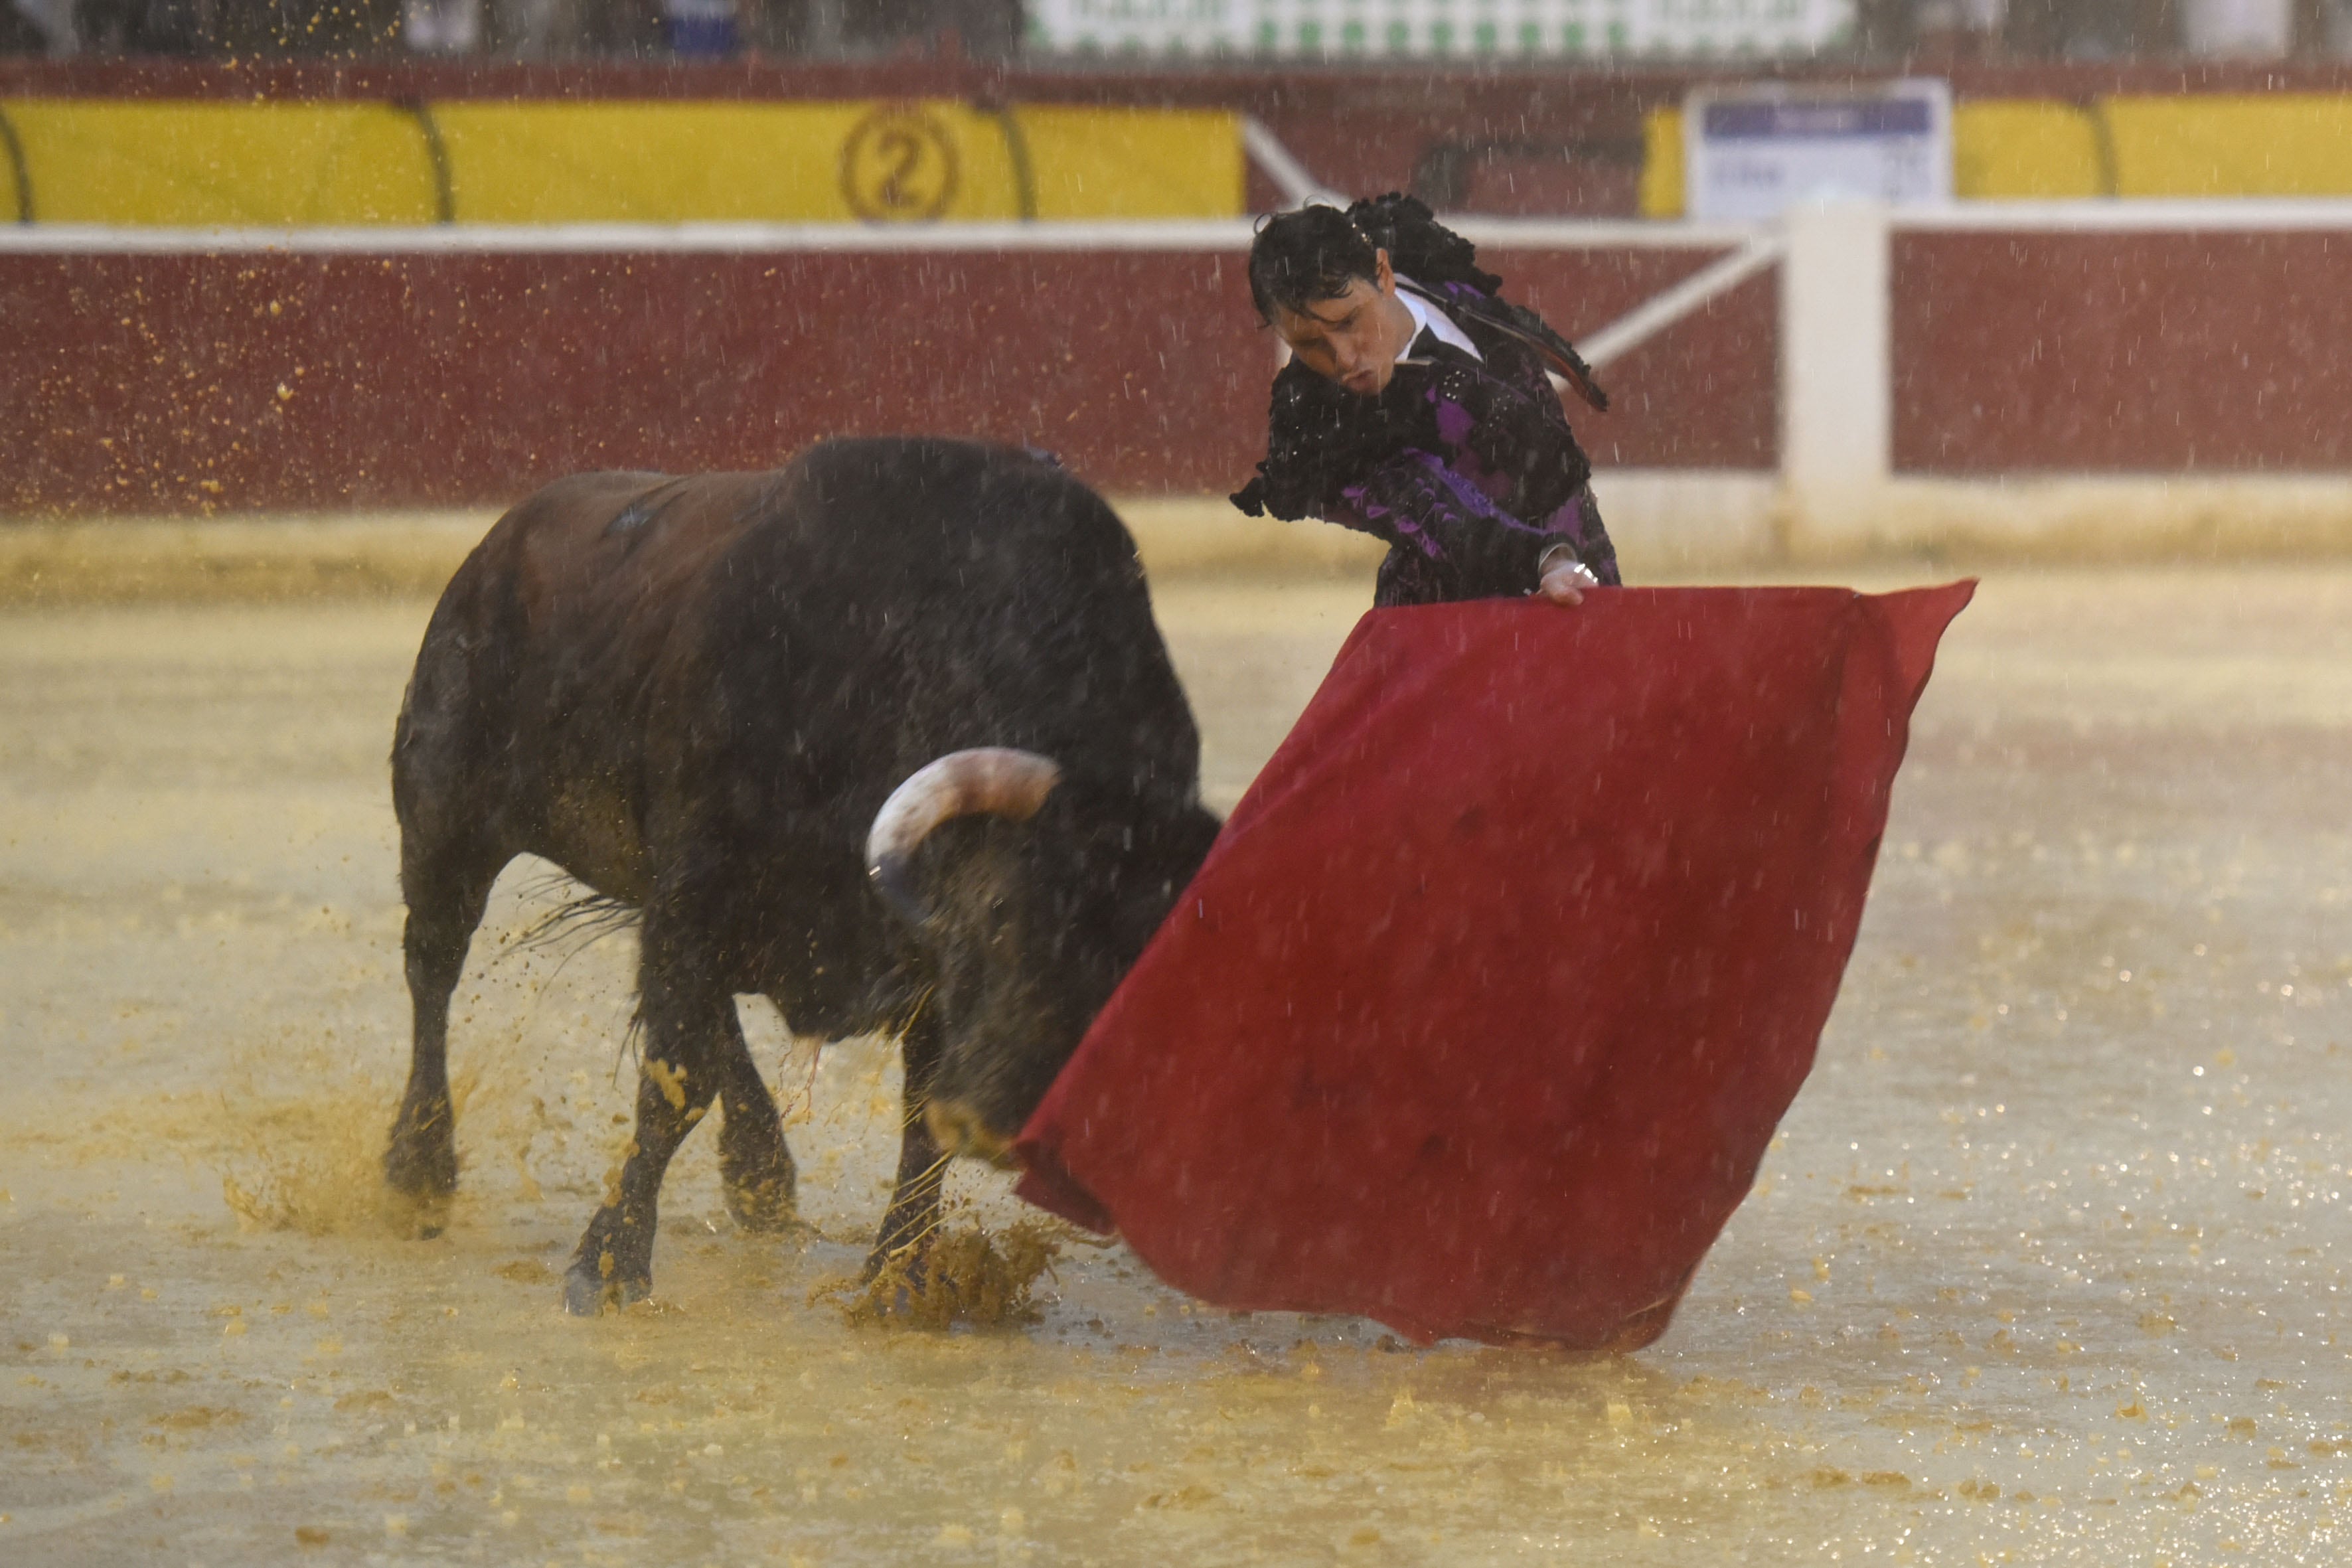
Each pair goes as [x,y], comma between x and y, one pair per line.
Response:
[2048,1265]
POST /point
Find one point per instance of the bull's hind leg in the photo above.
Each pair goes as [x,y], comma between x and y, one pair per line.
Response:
[694,1051]
[447,784]
[445,893]
[915,1205]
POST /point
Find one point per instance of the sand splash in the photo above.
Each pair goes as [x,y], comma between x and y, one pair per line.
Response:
[971,1276]
[314,1164]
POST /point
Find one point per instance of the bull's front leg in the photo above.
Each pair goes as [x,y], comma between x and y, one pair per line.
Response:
[914,1209]
[755,1168]
[686,1021]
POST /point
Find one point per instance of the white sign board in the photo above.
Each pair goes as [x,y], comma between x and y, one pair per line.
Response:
[1752,152]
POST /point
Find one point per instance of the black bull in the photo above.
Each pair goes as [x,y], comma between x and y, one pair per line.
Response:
[887,736]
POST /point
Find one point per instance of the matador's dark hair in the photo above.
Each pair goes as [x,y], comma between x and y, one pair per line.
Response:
[1316,252]
[1303,256]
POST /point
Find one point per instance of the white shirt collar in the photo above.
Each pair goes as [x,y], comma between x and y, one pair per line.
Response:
[1428,316]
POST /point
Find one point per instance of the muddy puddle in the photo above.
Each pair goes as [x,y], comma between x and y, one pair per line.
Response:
[2048,1265]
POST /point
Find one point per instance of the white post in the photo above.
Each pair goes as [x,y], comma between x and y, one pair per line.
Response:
[1836,377]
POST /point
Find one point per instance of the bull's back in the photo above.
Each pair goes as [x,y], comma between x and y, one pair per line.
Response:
[527,707]
[785,648]
[917,596]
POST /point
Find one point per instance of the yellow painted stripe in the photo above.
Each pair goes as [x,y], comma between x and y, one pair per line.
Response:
[2024,148]
[1661,163]
[2274,144]
[198,165]
[1135,163]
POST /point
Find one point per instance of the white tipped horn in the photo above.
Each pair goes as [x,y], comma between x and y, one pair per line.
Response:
[999,781]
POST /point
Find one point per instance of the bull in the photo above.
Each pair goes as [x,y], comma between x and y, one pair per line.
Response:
[887,736]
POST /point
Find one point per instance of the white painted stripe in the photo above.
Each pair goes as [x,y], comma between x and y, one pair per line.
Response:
[1227,235]
[1277,162]
[732,239]
[1662,310]
[1599,234]
[2132,215]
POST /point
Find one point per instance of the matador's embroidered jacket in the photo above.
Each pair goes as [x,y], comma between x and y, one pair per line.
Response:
[1468,470]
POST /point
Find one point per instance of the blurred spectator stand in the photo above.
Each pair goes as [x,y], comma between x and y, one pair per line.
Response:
[1188,34]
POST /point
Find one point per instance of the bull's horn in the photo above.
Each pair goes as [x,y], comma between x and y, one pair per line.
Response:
[997,780]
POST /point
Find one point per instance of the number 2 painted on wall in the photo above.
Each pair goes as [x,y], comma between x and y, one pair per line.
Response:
[899,164]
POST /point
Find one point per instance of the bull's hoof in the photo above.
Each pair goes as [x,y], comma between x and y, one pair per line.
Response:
[892,1287]
[421,1169]
[592,1286]
[425,1216]
[420,1162]
[423,1172]
[767,1206]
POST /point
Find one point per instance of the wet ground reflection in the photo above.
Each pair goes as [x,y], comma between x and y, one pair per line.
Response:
[2047,1266]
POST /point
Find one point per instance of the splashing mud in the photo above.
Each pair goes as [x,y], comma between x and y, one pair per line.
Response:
[968,1276]
[312,1167]
[311,1162]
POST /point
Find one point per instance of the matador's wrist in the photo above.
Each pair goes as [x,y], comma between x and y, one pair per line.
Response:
[1563,554]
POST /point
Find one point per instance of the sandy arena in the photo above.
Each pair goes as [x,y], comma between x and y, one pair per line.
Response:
[2049,1264]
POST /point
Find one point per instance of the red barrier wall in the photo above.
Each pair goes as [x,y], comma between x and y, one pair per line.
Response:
[179,383]
[270,379]
[2122,352]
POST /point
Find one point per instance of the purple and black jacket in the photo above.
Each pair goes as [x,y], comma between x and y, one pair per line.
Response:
[1468,470]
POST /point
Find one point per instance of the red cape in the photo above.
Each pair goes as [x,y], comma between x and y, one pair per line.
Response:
[1480,1014]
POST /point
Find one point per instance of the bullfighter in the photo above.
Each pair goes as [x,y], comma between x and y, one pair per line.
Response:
[1418,408]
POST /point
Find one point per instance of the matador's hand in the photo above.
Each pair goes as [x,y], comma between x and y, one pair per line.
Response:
[1562,578]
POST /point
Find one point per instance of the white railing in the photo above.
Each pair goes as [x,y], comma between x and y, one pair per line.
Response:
[1840,492]
[1195,235]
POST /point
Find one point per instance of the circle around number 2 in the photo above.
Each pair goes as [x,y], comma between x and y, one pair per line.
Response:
[898,166]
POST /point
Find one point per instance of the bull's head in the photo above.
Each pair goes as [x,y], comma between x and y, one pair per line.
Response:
[1033,894]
